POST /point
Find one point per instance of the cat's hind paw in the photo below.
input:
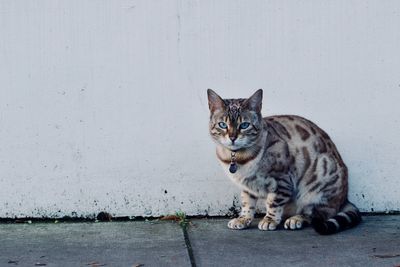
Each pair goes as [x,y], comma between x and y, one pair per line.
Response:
[295,222]
[239,223]
[266,224]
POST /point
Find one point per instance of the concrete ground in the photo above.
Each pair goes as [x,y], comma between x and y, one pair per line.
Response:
[207,242]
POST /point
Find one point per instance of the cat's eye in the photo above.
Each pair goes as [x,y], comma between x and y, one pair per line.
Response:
[244,125]
[222,125]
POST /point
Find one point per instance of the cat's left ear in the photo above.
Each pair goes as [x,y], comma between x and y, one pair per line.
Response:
[254,102]
[214,101]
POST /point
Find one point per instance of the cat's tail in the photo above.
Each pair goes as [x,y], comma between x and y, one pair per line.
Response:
[348,217]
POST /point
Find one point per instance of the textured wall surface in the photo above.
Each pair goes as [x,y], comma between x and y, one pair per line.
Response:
[103,103]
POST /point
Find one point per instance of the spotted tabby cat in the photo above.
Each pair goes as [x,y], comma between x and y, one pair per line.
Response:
[286,161]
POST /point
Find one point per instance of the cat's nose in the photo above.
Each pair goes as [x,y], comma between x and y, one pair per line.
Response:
[233,138]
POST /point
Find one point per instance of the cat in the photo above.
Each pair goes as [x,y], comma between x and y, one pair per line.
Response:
[286,161]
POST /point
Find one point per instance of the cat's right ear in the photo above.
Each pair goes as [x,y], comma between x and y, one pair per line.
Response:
[214,101]
[254,102]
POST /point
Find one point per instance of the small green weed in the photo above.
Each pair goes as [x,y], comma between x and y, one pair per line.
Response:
[183,221]
[179,217]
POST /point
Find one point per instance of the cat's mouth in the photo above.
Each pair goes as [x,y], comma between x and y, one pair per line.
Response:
[233,146]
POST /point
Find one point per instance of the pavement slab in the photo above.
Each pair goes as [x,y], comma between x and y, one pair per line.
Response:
[137,243]
[375,242]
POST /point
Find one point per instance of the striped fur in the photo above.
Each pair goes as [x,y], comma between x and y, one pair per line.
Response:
[348,217]
[287,161]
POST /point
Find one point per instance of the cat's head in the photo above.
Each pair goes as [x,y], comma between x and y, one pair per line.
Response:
[235,123]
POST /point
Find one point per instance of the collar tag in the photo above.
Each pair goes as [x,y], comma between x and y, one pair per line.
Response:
[233,166]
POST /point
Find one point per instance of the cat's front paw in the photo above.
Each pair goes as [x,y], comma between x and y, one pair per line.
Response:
[267,224]
[239,223]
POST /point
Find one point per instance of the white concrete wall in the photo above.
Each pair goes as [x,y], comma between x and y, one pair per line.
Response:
[103,103]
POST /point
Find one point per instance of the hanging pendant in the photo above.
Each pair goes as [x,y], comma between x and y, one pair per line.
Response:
[233,167]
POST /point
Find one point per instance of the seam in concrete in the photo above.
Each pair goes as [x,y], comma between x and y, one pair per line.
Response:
[188,246]
[141,218]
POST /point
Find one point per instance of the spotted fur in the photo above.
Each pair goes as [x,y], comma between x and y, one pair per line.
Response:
[287,161]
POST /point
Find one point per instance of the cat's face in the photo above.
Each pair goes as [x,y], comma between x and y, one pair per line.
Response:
[235,123]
